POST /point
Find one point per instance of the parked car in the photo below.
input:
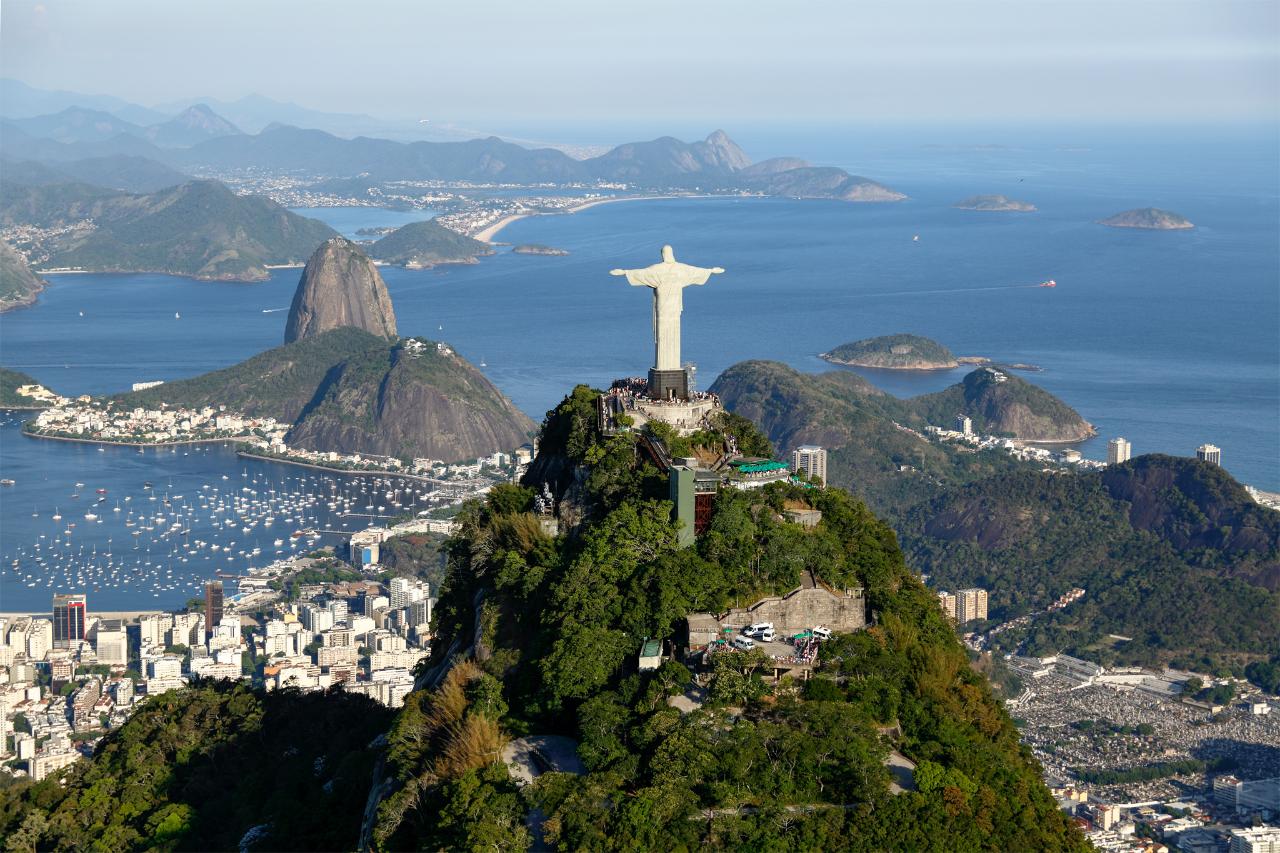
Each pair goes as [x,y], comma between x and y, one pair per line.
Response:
[766,636]
[757,629]
[743,644]
[822,633]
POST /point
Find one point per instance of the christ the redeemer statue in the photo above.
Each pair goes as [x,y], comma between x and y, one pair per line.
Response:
[668,280]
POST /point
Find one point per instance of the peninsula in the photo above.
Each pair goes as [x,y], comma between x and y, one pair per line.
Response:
[1150,218]
[894,352]
[994,202]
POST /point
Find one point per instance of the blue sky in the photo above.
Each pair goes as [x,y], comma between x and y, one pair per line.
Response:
[711,60]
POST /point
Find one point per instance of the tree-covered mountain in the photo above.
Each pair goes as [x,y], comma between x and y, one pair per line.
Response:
[10,382]
[18,284]
[538,636]
[199,229]
[894,352]
[215,767]
[1171,551]
[116,172]
[425,244]
[1000,403]
[353,392]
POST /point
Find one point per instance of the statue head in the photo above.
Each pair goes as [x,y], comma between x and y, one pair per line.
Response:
[668,255]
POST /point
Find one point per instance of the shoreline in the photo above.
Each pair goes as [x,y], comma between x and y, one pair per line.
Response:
[105,442]
[245,454]
[487,233]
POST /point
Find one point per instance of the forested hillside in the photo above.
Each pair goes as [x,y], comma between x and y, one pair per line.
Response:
[538,636]
[214,767]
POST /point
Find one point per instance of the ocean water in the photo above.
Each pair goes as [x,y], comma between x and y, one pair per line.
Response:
[1171,339]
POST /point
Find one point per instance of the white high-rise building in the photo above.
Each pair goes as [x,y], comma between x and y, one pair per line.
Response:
[971,604]
[948,602]
[1260,839]
[810,460]
[1118,450]
[1210,453]
[112,643]
[964,424]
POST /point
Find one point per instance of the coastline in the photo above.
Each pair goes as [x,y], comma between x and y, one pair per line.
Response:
[488,233]
[105,442]
[245,454]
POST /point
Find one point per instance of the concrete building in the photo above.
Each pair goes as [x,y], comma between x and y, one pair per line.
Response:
[1261,839]
[810,460]
[971,604]
[948,602]
[112,644]
[964,425]
[44,764]
[70,620]
[1118,450]
[1210,453]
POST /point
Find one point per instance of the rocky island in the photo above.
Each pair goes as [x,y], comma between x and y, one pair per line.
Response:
[18,284]
[425,244]
[894,352]
[536,249]
[994,202]
[1151,218]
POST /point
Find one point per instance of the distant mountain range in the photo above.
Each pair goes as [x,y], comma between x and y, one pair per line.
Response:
[207,136]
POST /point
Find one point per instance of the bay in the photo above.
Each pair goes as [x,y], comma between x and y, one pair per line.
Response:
[1171,339]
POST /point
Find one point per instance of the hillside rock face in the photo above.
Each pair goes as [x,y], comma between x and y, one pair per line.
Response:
[18,284]
[410,402]
[340,286]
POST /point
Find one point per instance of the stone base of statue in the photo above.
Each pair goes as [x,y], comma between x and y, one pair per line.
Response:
[668,384]
[628,405]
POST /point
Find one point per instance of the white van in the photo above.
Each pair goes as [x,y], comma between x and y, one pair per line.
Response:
[766,636]
[822,633]
[743,644]
[757,629]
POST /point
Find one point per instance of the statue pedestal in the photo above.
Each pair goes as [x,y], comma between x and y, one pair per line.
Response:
[668,384]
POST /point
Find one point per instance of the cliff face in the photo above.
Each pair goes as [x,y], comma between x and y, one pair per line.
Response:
[18,285]
[340,287]
[410,400]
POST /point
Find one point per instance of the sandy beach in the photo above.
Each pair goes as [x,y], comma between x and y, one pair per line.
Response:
[487,234]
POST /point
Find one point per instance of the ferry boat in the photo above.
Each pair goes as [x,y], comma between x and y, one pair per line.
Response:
[1049,283]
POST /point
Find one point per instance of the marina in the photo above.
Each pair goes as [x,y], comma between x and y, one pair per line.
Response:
[131,525]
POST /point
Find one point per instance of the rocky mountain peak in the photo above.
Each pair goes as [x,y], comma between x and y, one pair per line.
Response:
[340,286]
[722,151]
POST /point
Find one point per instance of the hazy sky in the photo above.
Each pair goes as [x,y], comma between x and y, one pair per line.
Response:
[850,60]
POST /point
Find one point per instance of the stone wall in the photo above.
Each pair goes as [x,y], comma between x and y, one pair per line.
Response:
[798,610]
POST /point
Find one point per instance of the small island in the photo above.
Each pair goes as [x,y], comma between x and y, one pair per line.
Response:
[994,202]
[536,249]
[1150,218]
[426,244]
[894,352]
